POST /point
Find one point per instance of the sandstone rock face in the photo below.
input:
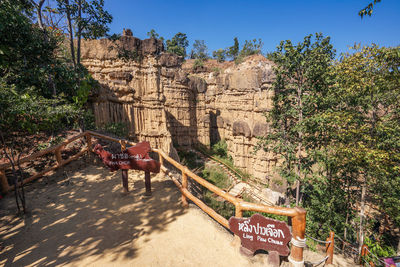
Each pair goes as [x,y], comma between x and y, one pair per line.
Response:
[164,100]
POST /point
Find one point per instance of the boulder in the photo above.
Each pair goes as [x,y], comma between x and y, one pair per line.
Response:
[241,128]
[260,129]
[197,84]
[170,60]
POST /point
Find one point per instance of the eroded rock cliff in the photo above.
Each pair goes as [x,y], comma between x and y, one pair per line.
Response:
[166,101]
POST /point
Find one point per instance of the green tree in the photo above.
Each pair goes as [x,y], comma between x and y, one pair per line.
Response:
[219,55]
[177,45]
[251,48]
[28,65]
[153,34]
[200,50]
[86,19]
[302,78]
[365,137]
[233,51]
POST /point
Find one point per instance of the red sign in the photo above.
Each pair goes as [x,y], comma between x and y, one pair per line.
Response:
[259,232]
[136,157]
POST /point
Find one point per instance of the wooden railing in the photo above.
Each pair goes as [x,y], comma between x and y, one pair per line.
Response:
[56,150]
[298,215]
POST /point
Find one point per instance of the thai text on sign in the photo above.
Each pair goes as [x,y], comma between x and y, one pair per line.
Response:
[259,232]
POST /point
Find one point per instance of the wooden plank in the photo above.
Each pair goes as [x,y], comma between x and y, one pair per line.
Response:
[290,212]
[40,174]
[184,185]
[57,152]
[224,222]
[89,141]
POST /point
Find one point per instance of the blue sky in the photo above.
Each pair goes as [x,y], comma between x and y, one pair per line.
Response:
[218,22]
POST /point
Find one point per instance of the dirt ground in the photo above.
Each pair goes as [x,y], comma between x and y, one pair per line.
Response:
[79,217]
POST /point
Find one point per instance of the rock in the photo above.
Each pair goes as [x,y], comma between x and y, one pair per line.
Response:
[260,129]
[127,32]
[274,197]
[241,128]
[197,84]
[220,122]
[170,60]
[127,76]
[152,46]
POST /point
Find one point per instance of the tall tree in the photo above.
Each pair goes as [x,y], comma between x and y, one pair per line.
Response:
[302,78]
[200,50]
[219,55]
[86,19]
[177,45]
[366,115]
[233,51]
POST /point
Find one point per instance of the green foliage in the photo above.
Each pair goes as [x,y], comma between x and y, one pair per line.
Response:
[199,50]
[251,48]
[177,45]
[219,55]
[223,208]
[368,9]
[119,129]
[153,34]
[233,51]
[189,159]
[365,124]
[221,148]
[198,63]
[216,70]
[336,125]
[217,177]
[302,77]
[92,21]
[378,250]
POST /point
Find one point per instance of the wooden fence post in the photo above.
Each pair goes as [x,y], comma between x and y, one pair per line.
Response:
[160,158]
[123,144]
[147,183]
[298,234]
[330,247]
[184,185]
[125,180]
[89,141]
[57,152]
[4,183]
[238,211]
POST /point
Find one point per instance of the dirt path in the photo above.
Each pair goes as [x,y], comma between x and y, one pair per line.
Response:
[81,218]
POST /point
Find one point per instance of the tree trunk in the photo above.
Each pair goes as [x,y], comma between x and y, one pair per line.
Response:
[361,235]
[71,33]
[39,14]
[78,50]
[298,172]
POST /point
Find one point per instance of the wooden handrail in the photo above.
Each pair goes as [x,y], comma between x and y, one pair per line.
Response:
[56,150]
[43,152]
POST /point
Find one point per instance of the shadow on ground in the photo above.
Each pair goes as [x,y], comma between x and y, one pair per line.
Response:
[80,212]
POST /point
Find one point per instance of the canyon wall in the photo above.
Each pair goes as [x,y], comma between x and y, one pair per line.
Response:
[166,101]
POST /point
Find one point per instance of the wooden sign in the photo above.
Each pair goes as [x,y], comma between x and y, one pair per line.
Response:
[259,232]
[136,157]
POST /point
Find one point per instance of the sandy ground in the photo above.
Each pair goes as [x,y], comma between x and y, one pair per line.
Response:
[79,217]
